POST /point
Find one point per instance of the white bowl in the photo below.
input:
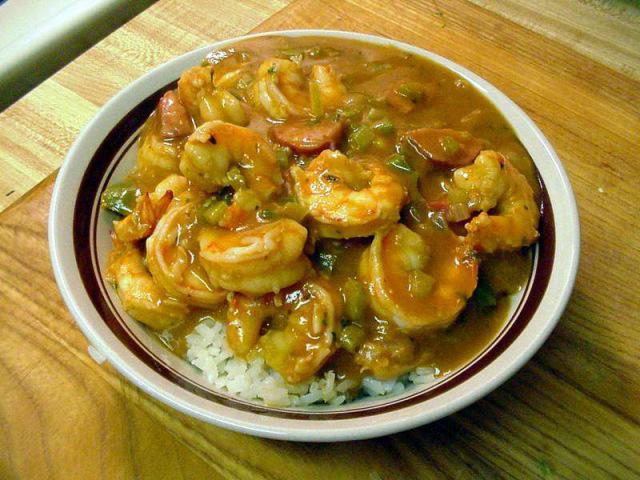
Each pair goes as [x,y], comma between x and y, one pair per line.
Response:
[78,239]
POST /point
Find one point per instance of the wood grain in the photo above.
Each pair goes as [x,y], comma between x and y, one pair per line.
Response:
[606,31]
[38,130]
[571,412]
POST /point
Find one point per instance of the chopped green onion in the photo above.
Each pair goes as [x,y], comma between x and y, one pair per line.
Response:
[272,69]
[120,198]
[384,126]
[450,145]
[399,162]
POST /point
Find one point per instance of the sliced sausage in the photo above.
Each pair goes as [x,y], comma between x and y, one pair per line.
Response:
[445,146]
[306,138]
[174,119]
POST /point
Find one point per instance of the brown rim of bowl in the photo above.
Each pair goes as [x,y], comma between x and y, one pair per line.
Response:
[97,176]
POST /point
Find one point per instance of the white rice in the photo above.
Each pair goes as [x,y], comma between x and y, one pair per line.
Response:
[252,379]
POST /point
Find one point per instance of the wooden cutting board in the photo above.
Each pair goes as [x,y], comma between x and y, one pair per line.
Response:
[571,412]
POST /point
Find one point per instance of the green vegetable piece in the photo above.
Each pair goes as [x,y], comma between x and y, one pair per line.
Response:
[399,162]
[360,138]
[378,67]
[411,91]
[385,127]
[316,100]
[292,210]
[450,145]
[283,155]
[272,69]
[484,296]
[351,337]
[247,200]
[235,178]
[375,114]
[420,283]
[355,300]
[266,214]
[120,198]
[213,211]
[326,261]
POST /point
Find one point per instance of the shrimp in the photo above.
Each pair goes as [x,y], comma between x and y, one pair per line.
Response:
[280,89]
[256,261]
[194,84]
[149,208]
[244,321]
[420,282]
[170,261]
[215,146]
[141,297]
[157,158]
[221,105]
[300,349]
[346,198]
[492,182]
[331,91]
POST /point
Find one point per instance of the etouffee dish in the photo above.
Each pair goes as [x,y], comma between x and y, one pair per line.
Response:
[311,220]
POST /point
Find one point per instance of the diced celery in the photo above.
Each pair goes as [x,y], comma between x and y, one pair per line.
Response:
[351,337]
[420,283]
[213,211]
[412,91]
[316,100]
[355,299]
[235,178]
[375,113]
[360,138]
[450,145]
[283,155]
[246,200]
[266,214]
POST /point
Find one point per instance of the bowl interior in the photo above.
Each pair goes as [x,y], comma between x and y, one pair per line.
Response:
[106,151]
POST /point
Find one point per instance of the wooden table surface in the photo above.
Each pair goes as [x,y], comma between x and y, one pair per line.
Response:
[571,412]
